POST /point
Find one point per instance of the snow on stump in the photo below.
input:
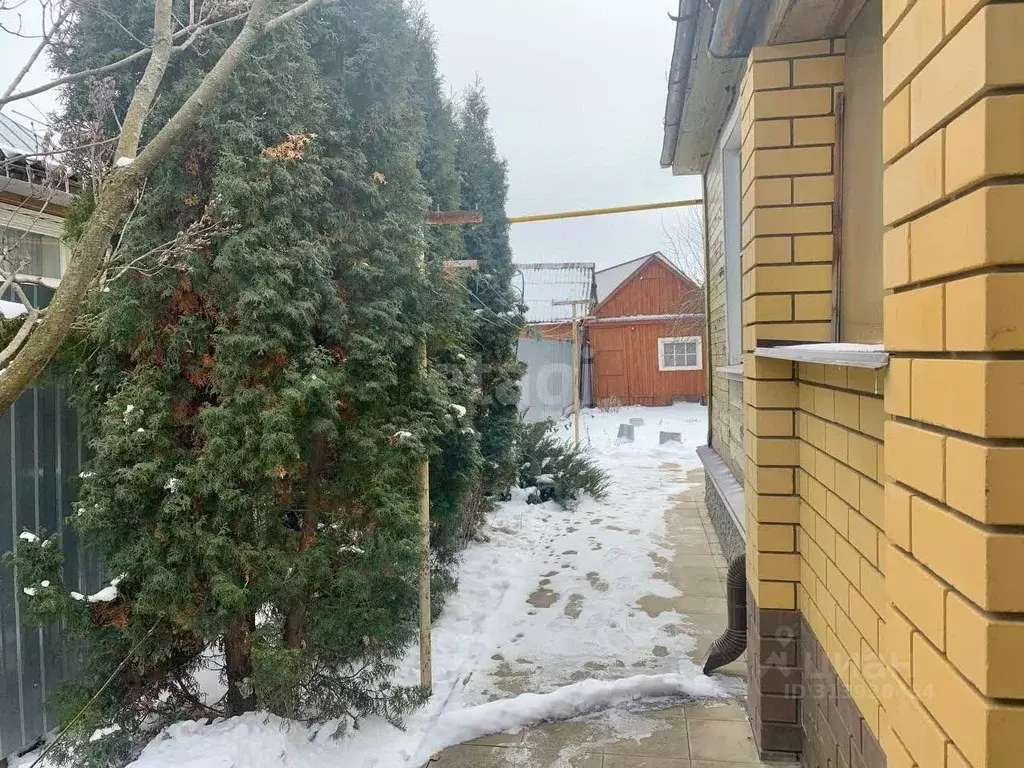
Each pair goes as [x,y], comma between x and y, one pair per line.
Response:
[626,432]
[636,421]
[669,437]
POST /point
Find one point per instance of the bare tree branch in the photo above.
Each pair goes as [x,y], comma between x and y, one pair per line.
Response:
[52,152]
[145,91]
[189,34]
[94,72]
[19,338]
[683,240]
[121,187]
[294,13]
[683,244]
[43,42]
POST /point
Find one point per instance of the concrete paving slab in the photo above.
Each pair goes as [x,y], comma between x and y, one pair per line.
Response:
[622,761]
[721,740]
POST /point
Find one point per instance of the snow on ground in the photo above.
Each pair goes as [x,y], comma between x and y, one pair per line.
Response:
[545,626]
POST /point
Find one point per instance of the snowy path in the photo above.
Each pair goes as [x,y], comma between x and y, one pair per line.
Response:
[555,602]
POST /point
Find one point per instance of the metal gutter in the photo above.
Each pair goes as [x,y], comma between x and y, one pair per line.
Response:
[679,75]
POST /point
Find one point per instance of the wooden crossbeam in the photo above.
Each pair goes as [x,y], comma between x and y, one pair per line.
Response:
[455,217]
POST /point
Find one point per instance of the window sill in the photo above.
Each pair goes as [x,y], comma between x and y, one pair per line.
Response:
[729,488]
[871,356]
[733,372]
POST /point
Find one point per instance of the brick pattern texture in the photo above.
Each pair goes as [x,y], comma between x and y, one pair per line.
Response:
[840,424]
[835,733]
[774,676]
[788,127]
[953,623]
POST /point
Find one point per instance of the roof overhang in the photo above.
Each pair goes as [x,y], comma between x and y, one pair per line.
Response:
[709,56]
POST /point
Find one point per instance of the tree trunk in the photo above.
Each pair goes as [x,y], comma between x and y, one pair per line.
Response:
[295,621]
[238,663]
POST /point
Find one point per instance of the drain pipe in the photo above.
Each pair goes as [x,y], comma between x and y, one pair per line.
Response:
[733,642]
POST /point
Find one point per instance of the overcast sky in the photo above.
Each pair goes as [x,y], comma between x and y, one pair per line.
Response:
[577,95]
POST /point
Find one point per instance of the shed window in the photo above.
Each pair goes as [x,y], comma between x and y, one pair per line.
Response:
[680,353]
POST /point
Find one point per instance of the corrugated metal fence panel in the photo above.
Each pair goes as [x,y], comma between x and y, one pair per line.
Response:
[547,384]
[40,453]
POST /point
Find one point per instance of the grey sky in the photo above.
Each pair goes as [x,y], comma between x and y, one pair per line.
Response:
[577,95]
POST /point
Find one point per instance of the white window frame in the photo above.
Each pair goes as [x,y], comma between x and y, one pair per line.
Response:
[733,220]
[37,223]
[698,343]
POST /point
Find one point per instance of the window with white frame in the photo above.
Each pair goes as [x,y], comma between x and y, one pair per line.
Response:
[680,353]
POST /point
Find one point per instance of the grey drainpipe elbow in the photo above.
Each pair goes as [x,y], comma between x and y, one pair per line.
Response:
[733,642]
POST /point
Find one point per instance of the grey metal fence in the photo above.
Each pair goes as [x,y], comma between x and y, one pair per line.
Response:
[40,451]
[40,454]
[546,387]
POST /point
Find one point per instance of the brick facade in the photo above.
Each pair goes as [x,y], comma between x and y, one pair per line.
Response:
[840,422]
[885,535]
[787,98]
[954,324]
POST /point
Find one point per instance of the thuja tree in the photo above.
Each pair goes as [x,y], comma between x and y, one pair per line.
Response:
[498,309]
[455,468]
[253,396]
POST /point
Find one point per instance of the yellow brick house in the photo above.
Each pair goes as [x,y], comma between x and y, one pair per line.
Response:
[863,169]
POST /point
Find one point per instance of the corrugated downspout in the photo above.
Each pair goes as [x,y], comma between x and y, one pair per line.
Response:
[733,642]
[687,24]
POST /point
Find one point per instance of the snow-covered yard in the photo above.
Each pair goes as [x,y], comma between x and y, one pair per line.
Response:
[559,614]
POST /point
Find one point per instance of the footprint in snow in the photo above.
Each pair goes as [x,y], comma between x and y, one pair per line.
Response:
[574,607]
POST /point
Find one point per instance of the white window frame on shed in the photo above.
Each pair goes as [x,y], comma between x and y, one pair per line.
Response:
[697,343]
[37,223]
[732,213]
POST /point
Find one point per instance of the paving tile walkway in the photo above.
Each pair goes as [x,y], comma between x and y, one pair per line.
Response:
[714,734]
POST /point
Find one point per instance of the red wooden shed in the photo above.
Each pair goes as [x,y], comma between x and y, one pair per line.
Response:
[646,334]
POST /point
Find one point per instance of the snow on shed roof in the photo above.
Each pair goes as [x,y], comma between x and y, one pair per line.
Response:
[611,278]
[16,139]
[544,284]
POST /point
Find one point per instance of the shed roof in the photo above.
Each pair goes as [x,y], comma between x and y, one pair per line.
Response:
[545,284]
[16,139]
[611,278]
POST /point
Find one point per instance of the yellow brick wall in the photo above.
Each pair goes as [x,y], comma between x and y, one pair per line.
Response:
[953,623]
[787,102]
[840,425]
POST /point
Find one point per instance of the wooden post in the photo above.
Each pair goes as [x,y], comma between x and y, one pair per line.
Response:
[426,671]
[576,363]
[426,663]
[576,375]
